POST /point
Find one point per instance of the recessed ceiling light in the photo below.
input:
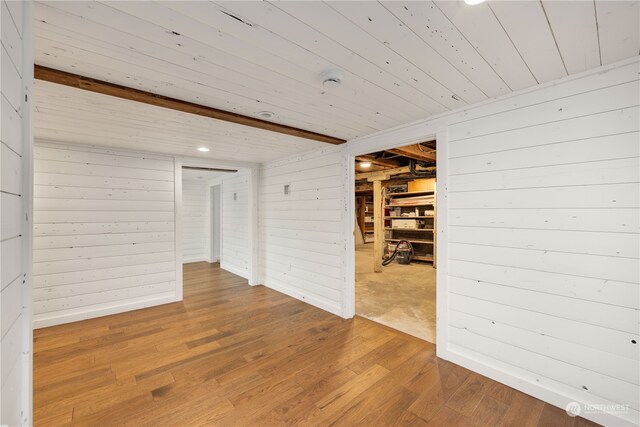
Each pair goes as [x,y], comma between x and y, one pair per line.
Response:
[203,149]
[365,164]
[266,115]
[473,2]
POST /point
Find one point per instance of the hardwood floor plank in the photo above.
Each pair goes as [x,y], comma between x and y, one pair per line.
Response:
[237,355]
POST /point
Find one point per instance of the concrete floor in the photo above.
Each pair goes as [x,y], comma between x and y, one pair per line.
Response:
[402,297]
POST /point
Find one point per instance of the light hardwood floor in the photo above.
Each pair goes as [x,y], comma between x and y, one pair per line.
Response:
[233,355]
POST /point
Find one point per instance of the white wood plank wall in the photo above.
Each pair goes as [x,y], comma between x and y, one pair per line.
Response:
[235,256]
[301,234]
[544,223]
[14,316]
[104,237]
[196,221]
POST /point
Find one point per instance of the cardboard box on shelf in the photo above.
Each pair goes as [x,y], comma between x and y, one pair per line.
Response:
[425,184]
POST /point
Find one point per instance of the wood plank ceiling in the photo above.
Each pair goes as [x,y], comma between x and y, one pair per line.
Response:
[402,61]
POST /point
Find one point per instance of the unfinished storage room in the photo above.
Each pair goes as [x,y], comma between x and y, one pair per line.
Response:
[396,238]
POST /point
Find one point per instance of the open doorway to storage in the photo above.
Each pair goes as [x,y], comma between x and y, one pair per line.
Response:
[395,253]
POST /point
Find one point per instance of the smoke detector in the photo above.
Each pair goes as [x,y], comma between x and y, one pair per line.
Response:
[332,78]
[266,115]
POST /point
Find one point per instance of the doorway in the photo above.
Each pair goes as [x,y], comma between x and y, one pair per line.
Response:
[396,238]
[201,203]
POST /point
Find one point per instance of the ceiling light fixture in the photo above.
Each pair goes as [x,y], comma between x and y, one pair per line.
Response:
[365,164]
[332,78]
[473,2]
[266,115]
[203,149]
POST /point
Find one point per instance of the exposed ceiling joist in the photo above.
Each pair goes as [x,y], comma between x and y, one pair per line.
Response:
[417,152]
[384,175]
[378,161]
[131,94]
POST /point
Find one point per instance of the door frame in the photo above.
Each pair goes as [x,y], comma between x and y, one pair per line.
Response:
[380,142]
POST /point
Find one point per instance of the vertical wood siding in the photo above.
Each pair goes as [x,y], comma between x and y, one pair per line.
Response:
[104,237]
[301,234]
[235,224]
[196,221]
[13,314]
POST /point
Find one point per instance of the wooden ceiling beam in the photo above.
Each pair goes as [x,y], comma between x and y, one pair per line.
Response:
[137,95]
[414,151]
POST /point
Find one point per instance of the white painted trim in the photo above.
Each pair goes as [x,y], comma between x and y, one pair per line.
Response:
[197,259]
[381,145]
[442,244]
[177,169]
[27,224]
[221,260]
[90,313]
[217,182]
[234,270]
[254,237]
[349,297]
[280,287]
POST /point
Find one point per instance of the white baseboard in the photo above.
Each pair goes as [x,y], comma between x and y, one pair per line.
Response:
[68,316]
[211,260]
[198,259]
[294,293]
[545,389]
[235,270]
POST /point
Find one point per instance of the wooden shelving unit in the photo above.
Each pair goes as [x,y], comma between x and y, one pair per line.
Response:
[365,216]
[416,211]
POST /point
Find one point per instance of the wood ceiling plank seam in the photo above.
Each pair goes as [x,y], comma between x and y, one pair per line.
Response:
[341,57]
[460,53]
[78,42]
[109,126]
[310,64]
[204,137]
[553,35]
[192,32]
[595,11]
[228,129]
[162,34]
[574,27]
[57,136]
[337,28]
[164,86]
[483,30]
[246,148]
[392,33]
[527,28]
[172,90]
[513,44]
[248,143]
[619,29]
